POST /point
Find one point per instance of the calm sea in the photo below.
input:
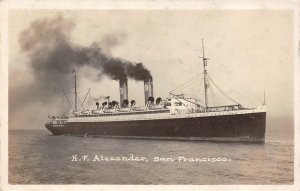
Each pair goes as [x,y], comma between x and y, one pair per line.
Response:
[37,157]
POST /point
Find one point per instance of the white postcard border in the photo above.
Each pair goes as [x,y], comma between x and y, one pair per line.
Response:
[127,4]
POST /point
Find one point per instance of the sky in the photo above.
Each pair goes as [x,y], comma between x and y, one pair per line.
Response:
[249,51]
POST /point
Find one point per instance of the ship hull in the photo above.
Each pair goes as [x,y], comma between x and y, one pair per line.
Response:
[249,127]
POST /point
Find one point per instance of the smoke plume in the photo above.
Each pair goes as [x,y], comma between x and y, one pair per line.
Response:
[47,43]
[52,58]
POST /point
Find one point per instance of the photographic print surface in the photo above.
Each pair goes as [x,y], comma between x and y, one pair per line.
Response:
[72,70]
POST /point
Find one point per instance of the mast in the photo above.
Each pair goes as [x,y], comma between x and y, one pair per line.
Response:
[75,92]
[205,76]
[264,98]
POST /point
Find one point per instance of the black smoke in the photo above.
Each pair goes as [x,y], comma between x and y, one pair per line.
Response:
[48,45]
[51,58]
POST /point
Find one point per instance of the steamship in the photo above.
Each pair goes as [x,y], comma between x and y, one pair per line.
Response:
[177,117]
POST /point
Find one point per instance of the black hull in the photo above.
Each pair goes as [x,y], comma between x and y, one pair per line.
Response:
[242,127]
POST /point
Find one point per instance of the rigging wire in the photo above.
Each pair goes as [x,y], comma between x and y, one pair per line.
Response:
[197,91]
[238,93]
[213,95]
[222,90]
[67,98]
[189,85]
[85,97]
[185,83]
[78,99]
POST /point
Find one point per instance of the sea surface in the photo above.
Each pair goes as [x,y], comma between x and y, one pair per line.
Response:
[37,157]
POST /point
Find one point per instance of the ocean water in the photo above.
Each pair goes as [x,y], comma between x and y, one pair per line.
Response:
[37,157]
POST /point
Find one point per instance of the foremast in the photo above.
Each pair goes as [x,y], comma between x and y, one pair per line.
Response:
[75,92]
[204,59]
